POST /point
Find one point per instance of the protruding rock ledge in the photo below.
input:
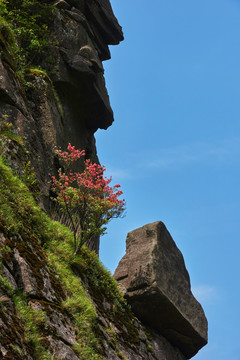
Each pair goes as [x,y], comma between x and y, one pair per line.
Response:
[154,279]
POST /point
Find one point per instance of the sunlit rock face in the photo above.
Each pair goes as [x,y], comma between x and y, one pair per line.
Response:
[153,278]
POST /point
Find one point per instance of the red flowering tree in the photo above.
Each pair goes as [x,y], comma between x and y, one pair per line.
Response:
[86,197]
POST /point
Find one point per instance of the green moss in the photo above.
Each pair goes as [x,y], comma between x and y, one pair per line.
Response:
[25,321]
[20,217]
[78,304]
[6,132]
[10,139]
[8,44]
[17,208]
[39,72]
[32,320]
[103,288]
[30,21]
[33,73]
[80,278]
[26,36]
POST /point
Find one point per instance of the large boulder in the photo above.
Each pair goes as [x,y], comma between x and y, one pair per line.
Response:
[153,278]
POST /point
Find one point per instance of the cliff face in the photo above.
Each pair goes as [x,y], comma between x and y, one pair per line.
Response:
[74,103]
[54,305]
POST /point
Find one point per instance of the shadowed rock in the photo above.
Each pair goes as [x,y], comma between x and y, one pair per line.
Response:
[153,278]
[74,104]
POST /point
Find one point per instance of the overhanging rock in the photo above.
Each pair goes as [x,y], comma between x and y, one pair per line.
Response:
[153,278]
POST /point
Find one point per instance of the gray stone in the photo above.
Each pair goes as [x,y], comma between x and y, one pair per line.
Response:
[12,341]
[10,277]
[104,25]
[153,278]
[57,320]
[61,350]
[27,279]
[10,88]
[61,4]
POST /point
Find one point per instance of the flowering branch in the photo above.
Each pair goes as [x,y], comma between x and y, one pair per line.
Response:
[86,198]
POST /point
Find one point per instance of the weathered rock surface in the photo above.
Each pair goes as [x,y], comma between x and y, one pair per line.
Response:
[24,264]
[25,267]
[124,336]
[12,329]
[153,278]
[49,114]
[75,103]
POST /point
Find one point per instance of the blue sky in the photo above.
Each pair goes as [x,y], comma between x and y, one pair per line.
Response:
[174,86]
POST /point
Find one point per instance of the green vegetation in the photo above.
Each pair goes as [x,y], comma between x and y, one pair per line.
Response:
[23,220]
[8,42]
[25,26]
[86,197]
[33,321]
[20,216]
[7,133]
[30,320]
[77,303]
[87,289]
[25,39]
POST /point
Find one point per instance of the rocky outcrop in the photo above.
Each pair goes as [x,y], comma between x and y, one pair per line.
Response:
[153,278]
[42,314]
[35,283]
[26,269]
[74,103]
[71,102]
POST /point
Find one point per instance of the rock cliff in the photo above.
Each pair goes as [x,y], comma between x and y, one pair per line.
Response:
[54,305]
[71,104]
[153,277]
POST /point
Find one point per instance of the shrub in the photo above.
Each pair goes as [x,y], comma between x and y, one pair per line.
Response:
[86,198]
[30,21]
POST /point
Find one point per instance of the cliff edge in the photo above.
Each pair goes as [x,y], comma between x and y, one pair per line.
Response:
[54,305]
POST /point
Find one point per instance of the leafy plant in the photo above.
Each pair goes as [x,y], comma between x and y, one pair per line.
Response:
[30,21]
[8,135]
[86,198]
[21,218]
[6,131]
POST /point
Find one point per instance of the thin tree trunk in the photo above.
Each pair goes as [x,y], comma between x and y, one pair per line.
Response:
[73,225]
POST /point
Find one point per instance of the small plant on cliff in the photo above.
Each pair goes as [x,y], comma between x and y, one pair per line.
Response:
[6,131]
[86,198]
[29,21]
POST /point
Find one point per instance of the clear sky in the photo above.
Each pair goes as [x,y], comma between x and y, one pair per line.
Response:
[174,86]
